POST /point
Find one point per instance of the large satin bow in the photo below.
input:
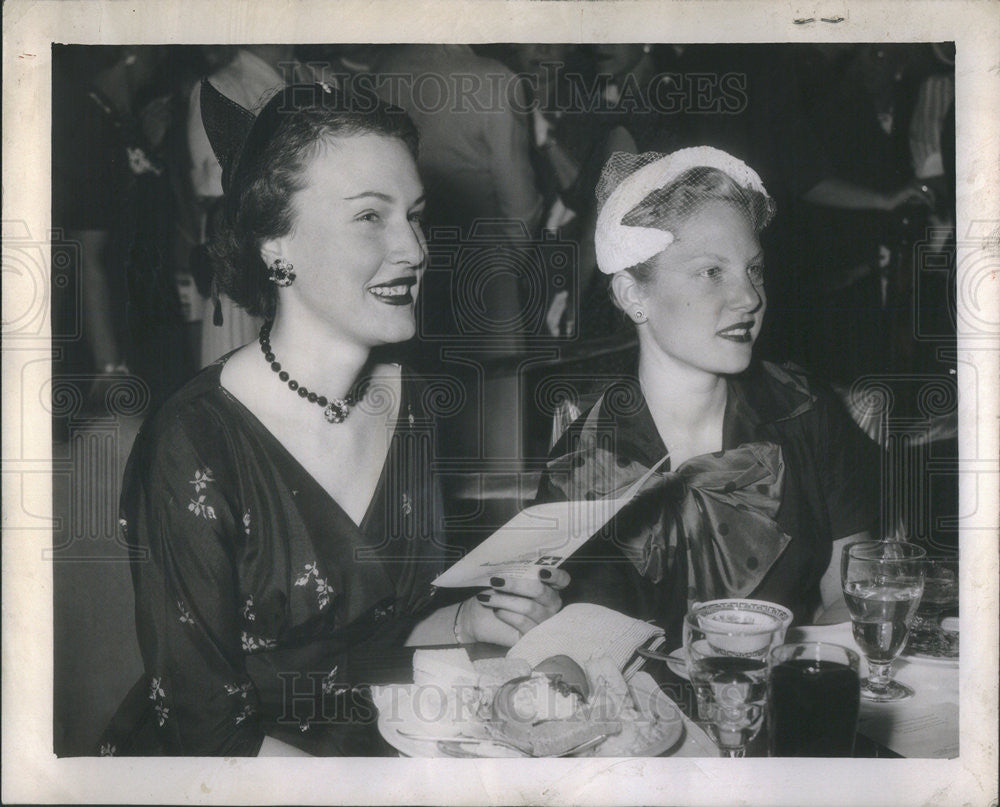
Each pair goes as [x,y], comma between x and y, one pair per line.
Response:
[720,508]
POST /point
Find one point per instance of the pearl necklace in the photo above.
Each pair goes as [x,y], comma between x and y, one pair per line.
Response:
[335,411]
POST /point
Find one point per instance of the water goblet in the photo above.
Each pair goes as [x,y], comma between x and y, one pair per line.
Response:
[728,666]
[882,583]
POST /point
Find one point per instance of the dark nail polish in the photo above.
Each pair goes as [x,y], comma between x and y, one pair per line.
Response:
[497,582]
[545,574]
[483,597]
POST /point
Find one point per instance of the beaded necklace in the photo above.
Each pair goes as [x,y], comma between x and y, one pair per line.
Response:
[335,410]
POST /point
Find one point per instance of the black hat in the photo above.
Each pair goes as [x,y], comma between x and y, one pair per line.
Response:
[227,125]
[236,134]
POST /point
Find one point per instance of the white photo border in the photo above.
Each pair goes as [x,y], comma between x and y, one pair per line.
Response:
[31,772]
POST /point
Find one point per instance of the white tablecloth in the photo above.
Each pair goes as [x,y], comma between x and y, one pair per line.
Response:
[924,726]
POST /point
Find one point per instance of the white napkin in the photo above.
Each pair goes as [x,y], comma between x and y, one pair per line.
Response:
[583,632]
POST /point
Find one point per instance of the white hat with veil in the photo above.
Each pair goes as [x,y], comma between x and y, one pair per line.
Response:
[635,202]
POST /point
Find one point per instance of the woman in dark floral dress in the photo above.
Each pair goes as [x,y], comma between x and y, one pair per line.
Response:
[282,503]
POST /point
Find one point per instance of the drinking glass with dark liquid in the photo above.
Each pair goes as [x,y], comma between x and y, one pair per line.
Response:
[814,695]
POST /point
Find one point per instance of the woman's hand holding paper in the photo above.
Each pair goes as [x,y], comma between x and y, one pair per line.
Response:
[511,607]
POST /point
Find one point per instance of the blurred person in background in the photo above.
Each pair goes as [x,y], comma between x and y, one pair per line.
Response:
[248,75]
[571,140]
[631,90]
[483,214]
[475,162]
[111,113]
[864,117]
[929,133]
[755,101]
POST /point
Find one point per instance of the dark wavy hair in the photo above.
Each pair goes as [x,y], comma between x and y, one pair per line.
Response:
[258,204]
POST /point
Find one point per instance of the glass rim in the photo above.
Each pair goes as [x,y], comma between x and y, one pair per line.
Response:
[912,551]
[851,654]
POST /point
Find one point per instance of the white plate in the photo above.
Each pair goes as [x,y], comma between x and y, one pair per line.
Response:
[921,658]
[395,711]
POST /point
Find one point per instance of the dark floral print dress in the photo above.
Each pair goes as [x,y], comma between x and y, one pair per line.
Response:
[261,607]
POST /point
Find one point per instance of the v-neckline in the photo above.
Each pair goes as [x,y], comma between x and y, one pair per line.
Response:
[258,426]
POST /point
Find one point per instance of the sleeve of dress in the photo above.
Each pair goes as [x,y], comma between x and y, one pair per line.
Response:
[187,610]
[851,467]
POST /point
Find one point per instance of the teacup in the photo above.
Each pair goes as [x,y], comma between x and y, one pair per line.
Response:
[738,627]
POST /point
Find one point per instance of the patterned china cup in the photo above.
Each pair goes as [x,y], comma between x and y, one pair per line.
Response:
[735,626]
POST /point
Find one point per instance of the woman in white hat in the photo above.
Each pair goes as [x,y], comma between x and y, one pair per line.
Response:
[763,477]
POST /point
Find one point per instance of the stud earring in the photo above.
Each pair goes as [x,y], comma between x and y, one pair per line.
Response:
[281,273]
[639,316]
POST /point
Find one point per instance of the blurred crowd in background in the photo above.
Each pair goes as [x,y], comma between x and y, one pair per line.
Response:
[855,142]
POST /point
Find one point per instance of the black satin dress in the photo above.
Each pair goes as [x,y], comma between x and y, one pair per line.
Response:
[756,519]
